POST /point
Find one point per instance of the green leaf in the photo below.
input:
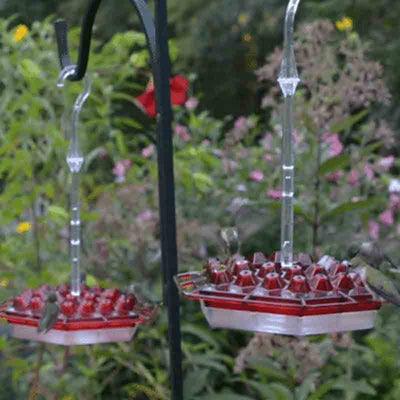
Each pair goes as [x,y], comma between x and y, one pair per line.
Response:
[334,163]
[128,122]
[207,361]
[194,383]
[263,389]
[320,392]
[281,392]
[361,386]
[29,69]
[202,181]
[267,368]
[307,386]
[202,334]
[91,280]
[224,396]
[57,211]
[351,206]
[348,123]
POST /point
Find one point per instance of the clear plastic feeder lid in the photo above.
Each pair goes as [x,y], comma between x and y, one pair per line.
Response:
[259,294]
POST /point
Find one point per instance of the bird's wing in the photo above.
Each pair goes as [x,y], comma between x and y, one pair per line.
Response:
[48,316]
[383,286]
[391,298]
[42,325]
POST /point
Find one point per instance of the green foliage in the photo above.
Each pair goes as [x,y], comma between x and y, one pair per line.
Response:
[227,173]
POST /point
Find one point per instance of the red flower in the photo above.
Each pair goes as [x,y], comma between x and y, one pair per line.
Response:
[178,88]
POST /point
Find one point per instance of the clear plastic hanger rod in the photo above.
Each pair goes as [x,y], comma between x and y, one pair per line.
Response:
[75,160]
[288,80]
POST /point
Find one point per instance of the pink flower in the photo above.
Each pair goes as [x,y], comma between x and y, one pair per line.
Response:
[182,132]
[266,141]
[335,145]
[256,175]
[191,103]
[148,151]
[241,123]
[373,228]
[296,137]
[205,142]
[368,171]
[126,163]
[335,176]
[386,217]
[354,177]
[385,163]
[394,202]
[274,194]
[120,168]
[268,157]
[144,216]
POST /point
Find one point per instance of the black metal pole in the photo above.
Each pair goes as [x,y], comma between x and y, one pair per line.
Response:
[167,200]
[157,43]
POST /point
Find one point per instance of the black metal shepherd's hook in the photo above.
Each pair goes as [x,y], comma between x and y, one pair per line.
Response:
[157,43]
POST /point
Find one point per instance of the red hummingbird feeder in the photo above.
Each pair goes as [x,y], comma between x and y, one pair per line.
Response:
[84,315]
[97,315]
[304,299]
[281,294]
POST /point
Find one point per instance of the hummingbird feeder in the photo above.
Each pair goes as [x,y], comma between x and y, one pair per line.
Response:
[92,314]
[86,315]
[281,293]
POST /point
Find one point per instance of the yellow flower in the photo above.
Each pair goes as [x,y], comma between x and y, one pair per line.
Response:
[4,282]
[344,24]
[23,227]
[20,32]
[247,37]
[243,19]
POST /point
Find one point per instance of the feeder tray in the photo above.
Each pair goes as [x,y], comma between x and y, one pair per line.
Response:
[258,295]
[98,315]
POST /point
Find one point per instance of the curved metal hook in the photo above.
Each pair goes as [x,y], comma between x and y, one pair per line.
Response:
[86,37]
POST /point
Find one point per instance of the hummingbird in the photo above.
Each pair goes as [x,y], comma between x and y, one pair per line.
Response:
[375,270]
[370,253]
[230,241]
[49,315]
[230,245]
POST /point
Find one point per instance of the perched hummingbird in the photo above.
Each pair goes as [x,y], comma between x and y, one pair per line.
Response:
[374,268]
[49,315]
[370,253]
[230,241]
[231,245]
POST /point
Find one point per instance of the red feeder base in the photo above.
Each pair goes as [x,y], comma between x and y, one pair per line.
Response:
[302,300]
[96,316]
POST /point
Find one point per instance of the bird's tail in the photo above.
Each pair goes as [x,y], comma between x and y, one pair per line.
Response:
[395,267]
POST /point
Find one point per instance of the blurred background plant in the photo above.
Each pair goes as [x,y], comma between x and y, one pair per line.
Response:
[227,153]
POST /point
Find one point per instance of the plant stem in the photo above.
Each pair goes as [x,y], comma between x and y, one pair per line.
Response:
[35,385]
[35,227]
[317,196]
